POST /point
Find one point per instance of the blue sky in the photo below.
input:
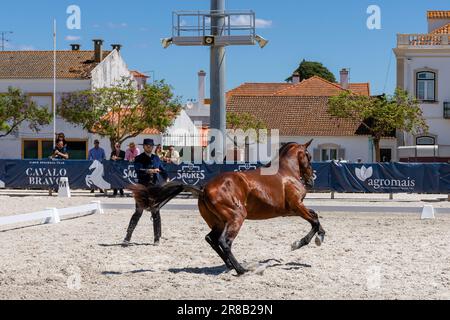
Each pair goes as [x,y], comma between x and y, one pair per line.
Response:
[329,31]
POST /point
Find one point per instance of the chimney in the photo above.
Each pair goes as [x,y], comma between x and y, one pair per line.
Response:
[116,47]
[98,45]
[344,78]
[201,88]
[75,47]
[296,78]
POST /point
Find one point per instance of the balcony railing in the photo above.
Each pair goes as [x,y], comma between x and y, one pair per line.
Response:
[423,40]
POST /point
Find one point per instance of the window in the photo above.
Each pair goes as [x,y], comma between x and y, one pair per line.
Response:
[31,149]
[446,110]
[386,155]
[329,154]
[426,86]
[42,149]
[425,141]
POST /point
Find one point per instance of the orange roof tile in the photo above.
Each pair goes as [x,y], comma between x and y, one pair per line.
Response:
[138,74]
[314,86]
[438,14]
[39,64]
[294,115]
[360,88]
[442,30]
[258,89]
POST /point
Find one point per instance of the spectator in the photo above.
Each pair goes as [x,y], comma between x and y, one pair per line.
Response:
[132,152]
[172,156]
[159,151]
[118,155]
[60,151]
[97,154]
[62,136]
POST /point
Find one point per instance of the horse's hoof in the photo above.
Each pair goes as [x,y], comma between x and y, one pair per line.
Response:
[157,243]
[125,244]
[319,240]
[296,245]
[241,272]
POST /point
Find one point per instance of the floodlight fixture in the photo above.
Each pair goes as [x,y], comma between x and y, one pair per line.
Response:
[166,42]
[261,41]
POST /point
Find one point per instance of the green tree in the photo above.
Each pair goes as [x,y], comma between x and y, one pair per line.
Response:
[121,112]
[381,115]
[17,108]
[244,121]
[308,69]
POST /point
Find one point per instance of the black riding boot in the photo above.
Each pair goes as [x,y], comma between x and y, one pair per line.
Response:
[133,223]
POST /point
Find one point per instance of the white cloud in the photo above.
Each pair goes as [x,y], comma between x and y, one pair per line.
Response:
[26,47]
[261,23]
[122,25]
[21,47]
[245,21]
[72,38]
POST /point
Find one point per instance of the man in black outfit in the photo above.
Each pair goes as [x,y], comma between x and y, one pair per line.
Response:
[118,155]
[148,166]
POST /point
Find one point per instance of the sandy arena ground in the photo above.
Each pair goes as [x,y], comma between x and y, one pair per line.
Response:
[365,256]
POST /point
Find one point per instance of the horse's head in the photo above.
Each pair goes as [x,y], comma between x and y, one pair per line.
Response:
[94,165]
[298,158]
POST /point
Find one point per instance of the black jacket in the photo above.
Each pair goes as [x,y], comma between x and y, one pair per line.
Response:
[121,155]
[143,162]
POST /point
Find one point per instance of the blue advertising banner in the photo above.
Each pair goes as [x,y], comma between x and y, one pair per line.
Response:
[444,178]
[370,178]
[46,174]
[2,173]
[388,178]
[322,175]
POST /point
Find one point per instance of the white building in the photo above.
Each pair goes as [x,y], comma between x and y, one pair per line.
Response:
[423,69]
[32,72]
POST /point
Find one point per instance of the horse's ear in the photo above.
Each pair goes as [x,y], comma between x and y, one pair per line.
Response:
[308,144]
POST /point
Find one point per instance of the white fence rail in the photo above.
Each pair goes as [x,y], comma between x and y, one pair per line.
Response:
[52,215]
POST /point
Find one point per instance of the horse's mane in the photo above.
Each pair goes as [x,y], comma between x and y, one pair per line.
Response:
[282,152]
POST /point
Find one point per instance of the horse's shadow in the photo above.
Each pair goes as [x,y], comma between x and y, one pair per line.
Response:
[218,270]
[107,245]
[209,271]
[117,273]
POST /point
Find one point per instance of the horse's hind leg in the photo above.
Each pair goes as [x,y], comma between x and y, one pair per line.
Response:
[217,228]
[226,241]
[312,217]
[213,240]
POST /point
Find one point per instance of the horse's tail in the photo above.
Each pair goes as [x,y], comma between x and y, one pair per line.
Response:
[156,197]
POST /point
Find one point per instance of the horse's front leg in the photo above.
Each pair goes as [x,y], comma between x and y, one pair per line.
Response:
[312,217]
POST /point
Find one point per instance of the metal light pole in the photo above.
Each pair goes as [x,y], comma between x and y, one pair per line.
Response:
[217,74]
[217,29]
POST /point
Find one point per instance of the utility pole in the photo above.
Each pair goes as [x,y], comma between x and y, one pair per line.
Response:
[217,73]
[3,39]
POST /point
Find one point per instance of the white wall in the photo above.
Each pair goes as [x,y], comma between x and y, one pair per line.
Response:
[10,147]
[433,112]
[357,147]
[111,70]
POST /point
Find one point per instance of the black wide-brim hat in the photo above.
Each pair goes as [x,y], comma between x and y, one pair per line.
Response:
[148,142]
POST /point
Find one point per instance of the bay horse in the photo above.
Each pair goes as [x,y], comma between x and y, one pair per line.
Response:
[229,199]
